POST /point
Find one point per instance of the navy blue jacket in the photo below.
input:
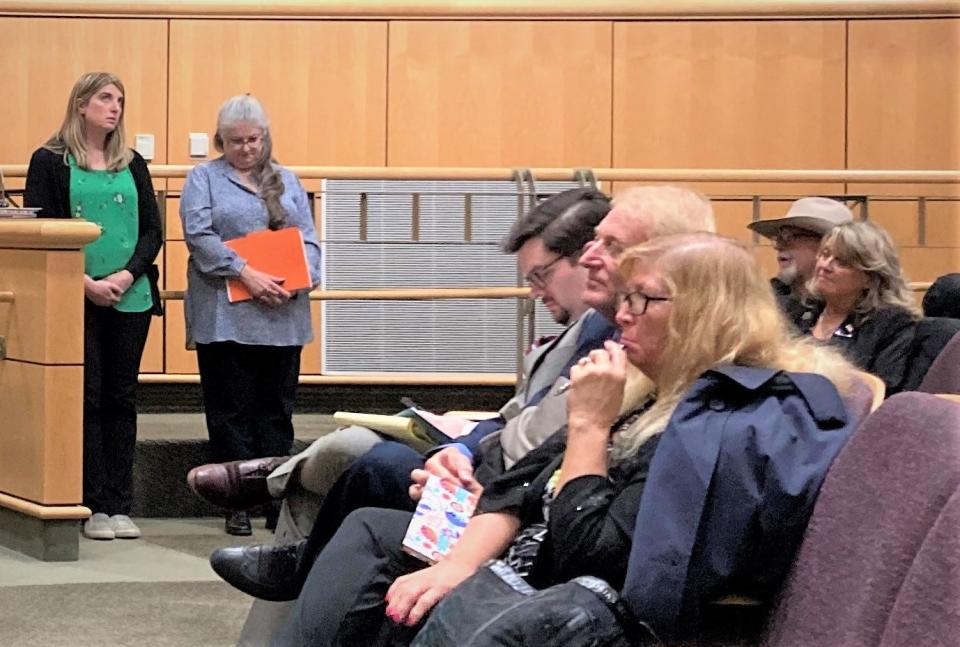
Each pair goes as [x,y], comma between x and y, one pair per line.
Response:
[729,492]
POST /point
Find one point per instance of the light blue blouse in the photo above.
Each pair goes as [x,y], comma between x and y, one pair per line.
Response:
[216,207]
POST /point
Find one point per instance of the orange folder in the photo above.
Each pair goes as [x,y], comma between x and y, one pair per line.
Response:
[279,253]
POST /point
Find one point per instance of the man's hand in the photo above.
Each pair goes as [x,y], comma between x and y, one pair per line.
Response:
[449,464]
[102,293]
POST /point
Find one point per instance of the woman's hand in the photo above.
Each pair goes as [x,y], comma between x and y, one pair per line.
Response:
[449,464]
[412,596]
[102,292]
[263,287]
[122,279]
[596,389]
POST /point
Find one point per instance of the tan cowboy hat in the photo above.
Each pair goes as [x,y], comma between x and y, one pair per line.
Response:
[818,215]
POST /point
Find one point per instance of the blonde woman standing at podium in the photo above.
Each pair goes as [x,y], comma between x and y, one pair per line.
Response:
[249,351]
[86,171]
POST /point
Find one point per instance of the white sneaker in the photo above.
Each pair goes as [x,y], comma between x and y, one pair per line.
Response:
[123,527]
[98,527]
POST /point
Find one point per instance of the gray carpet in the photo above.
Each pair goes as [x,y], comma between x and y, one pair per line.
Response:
[163,614]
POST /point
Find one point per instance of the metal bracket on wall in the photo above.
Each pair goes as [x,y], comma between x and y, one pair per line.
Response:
[585,178]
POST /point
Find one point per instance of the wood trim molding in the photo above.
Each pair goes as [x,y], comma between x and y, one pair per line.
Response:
[499,9]
[45,512]
[792,176]
[47,233]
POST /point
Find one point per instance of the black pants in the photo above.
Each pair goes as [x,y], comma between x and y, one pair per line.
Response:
[342,600]
[378,479]
[248,395]
[112,345]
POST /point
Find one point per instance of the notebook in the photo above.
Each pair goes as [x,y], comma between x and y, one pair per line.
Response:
[439,520]
[280,253]
[419,428]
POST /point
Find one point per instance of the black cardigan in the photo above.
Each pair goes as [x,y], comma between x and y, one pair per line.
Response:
[48,187]
[878,342]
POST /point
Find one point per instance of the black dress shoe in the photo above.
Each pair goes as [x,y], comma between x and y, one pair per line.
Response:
[268,571]
[238,523]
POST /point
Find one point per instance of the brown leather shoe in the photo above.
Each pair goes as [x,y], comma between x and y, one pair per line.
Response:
[237,485]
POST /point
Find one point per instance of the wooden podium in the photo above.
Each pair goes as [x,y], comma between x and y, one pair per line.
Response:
[41,385]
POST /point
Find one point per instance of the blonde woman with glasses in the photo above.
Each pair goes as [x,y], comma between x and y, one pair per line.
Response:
[86,171]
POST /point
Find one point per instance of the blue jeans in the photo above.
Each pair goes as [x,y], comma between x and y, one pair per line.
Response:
[495,607]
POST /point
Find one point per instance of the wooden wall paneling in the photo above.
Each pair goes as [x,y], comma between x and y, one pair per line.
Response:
[176,265]
[47,55]
[323,84]
[904,93]
[766,94]
[899,218]
[927,263]
[173,227]
[942,225]
[152,360]
[178,359]
[517,93]
[310,363]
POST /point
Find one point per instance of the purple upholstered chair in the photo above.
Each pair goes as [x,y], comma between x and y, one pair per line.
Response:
[943,376]
[880,561]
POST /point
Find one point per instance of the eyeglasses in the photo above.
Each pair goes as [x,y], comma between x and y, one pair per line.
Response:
[539,276]
[788,235]
[611,248]
[637,302]
[240,142]
[826,255]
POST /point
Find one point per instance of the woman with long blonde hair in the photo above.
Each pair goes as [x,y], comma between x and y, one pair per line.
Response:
[86,171]
[860,302]
[733,422]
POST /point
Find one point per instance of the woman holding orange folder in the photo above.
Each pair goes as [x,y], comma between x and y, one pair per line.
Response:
[248,351]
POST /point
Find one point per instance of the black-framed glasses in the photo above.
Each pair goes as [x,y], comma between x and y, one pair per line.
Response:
[789,235]
[637,302]
[539,276]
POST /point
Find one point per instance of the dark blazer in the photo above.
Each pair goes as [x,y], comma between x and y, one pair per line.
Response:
[878,342]
[48,187]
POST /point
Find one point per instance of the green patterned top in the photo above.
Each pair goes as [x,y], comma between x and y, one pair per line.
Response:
[109,199]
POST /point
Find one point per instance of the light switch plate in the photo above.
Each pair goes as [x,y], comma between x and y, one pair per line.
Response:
[144,144]
[199,144]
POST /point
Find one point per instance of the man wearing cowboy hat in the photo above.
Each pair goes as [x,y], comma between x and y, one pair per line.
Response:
[796,237]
